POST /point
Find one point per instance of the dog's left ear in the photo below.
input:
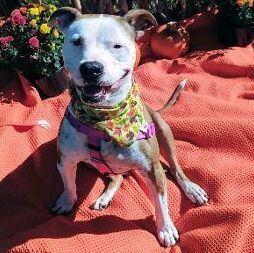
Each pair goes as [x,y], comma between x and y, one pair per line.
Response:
[63,17]
[140,20]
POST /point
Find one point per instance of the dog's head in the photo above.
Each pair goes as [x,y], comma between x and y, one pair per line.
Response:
[99,51]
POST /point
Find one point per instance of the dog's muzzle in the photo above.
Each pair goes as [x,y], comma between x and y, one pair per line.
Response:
[91,71]
[94,91]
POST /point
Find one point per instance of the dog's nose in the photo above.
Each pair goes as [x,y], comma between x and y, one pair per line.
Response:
[91,71]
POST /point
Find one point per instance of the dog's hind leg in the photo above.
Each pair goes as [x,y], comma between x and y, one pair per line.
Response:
[166,142]
[106,197]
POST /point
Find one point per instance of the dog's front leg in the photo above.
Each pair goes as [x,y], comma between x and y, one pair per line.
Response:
[167,232]
[67,170]
[106,197]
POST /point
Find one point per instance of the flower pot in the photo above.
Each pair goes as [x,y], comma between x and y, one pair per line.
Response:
[54,85]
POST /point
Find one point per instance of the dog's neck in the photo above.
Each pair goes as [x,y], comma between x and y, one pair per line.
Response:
[116,96]
[122,122]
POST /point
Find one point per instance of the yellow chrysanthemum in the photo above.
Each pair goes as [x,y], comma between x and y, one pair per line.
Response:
[245,2]
[34,11]
[33,23]
[44,28]
[56,33]
[53,46]
[52,8]
[42,8]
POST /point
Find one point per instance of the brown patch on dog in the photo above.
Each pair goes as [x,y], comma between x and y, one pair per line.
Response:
[69,15]
[140,19]
[163,142]
[150,148]
[158,177]
[166,143]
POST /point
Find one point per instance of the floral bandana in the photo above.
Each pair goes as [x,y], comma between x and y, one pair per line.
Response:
[122,122]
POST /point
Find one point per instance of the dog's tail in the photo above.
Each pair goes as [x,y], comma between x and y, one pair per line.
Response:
[174,97]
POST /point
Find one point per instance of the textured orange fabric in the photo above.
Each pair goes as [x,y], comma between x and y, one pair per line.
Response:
[213,126]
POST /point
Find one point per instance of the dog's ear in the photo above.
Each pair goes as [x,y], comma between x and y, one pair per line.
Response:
[63,17]
[140,20]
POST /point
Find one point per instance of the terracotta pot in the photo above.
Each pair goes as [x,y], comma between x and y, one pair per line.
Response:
[170,41]
[54,85]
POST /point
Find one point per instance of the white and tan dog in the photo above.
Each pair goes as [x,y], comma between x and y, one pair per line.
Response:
[99,51]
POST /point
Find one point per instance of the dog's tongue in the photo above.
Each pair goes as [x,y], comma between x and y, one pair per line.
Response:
[92,90]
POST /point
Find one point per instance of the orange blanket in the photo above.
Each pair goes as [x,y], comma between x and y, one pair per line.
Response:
[214,130]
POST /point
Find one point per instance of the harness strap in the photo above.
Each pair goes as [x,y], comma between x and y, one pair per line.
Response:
[86,129]
[147,132]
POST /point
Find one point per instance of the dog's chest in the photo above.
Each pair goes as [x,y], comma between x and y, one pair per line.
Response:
[75,146]
[123,159]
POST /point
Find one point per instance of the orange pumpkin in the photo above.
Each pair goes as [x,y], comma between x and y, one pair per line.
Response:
[138,56]
[170,41]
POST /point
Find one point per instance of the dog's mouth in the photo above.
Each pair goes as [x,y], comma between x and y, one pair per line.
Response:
[94,93]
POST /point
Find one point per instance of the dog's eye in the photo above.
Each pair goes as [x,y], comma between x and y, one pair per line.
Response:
[117,46]
[77,42]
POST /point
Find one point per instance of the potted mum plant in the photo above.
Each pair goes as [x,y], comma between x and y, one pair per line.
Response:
[29,46]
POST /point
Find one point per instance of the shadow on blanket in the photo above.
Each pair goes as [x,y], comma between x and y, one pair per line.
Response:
[36,178]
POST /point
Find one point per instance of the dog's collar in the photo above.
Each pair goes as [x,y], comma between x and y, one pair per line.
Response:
[122,122]
[96,135]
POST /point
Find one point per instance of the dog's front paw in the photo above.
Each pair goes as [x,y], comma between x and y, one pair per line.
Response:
[168,235]
[65,203]
[102,202]
[195,193]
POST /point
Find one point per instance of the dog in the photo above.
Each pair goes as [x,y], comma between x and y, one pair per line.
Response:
[106,124]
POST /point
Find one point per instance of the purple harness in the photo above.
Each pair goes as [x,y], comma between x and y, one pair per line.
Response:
[95,137]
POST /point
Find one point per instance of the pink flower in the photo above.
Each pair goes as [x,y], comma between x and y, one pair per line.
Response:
[6,40]
[17,18]
[15,12]
[34,42]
